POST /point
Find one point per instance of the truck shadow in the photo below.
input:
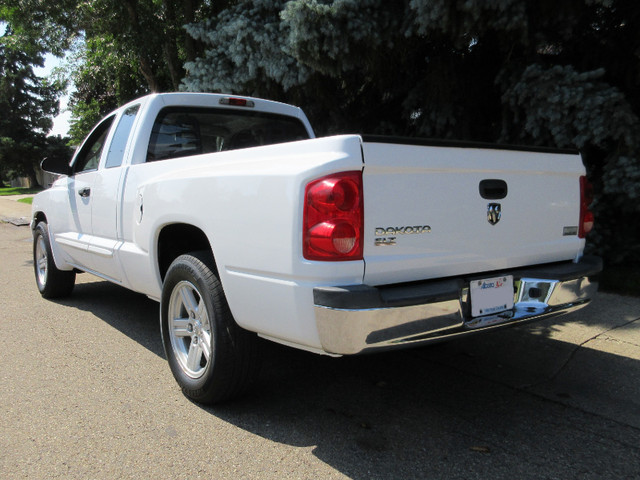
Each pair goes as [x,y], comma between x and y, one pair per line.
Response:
[411,414]
[511,404]
[131,313]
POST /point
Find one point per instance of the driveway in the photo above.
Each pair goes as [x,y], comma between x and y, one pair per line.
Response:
[85,392]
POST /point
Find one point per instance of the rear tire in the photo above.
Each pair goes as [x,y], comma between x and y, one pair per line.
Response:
[52,282]
[211,357]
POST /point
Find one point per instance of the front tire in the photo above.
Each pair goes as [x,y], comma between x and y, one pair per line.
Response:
[52,282]
[210,356]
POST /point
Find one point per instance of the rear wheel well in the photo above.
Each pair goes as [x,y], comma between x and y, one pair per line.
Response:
[178,239]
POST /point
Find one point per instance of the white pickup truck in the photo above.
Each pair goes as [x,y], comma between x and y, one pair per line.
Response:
[241,224]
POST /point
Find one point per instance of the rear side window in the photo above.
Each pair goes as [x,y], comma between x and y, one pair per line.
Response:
[120,137]
[184,131]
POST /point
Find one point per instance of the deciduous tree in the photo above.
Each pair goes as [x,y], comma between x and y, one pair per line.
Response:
[121,48]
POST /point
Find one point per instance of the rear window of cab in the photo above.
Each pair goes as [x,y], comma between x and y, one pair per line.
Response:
[184,131]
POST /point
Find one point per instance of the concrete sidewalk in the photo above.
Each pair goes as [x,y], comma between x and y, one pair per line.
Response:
[589,359]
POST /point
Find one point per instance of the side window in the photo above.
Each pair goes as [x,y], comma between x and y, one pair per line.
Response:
[89,157]
[120,137]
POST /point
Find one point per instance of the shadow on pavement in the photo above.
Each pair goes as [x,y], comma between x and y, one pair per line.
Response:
[131,313]
[511,404]
[402,415]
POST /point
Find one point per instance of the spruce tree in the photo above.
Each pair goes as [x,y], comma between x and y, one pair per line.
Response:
[545,73]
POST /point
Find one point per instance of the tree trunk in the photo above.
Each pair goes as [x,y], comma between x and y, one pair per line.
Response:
[170,44]
[171,57]
[190,7]
[149,75]
[33,179]
[145,65]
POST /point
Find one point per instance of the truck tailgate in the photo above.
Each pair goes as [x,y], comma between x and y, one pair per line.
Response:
[437,211]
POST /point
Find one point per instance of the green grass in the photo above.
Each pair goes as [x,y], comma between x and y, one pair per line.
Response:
[18,191]
[28,200]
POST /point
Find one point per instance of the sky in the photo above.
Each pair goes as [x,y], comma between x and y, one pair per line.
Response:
[61,122]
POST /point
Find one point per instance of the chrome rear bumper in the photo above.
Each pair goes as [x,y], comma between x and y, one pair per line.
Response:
[361,318]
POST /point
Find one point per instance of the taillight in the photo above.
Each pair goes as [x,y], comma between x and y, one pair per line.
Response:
[333,218]
[586,215]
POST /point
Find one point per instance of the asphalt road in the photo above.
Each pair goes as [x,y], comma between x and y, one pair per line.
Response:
[85,392]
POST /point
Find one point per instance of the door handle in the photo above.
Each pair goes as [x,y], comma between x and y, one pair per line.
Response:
[493,189]
[84,192]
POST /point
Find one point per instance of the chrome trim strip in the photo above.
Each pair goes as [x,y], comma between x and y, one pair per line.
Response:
[350,331]
[72,242]
[97,274]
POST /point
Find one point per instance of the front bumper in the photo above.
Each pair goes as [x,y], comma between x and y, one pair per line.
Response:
[361,318]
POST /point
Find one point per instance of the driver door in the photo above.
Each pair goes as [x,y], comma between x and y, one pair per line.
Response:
[74,237]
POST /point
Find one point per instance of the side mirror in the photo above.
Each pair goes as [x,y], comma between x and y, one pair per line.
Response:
[57,165]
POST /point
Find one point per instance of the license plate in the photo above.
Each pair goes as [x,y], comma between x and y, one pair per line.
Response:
[491,295]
